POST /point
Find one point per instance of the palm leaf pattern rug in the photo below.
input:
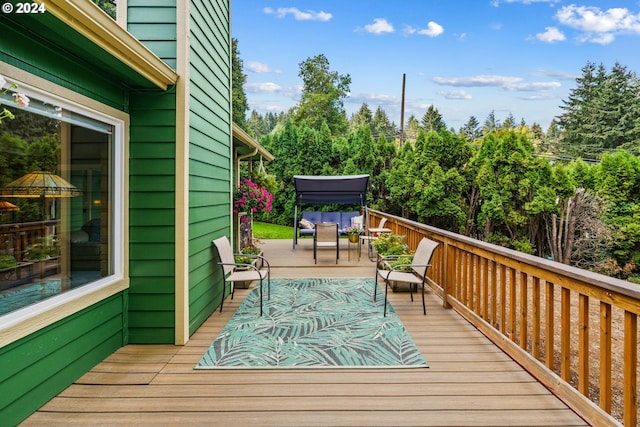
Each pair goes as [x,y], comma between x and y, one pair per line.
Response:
[314,323]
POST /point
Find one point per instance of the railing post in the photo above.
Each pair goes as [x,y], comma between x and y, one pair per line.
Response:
[449,264]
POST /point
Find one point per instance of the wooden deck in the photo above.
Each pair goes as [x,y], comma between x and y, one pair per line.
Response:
[470,382]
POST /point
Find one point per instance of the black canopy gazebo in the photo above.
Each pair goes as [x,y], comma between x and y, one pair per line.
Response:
[327,190]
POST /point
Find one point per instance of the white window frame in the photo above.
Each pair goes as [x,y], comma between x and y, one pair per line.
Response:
[22,322]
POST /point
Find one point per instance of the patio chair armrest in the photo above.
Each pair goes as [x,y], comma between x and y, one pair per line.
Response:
[388,257]
[256,256]
[264,261]
[243,265]
[399,267]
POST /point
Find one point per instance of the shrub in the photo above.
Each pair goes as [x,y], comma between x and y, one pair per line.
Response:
[7,261]
[390,244]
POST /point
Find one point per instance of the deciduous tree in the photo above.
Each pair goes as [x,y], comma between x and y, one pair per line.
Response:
[323,94]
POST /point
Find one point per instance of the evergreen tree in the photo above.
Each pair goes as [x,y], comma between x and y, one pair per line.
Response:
[617,180]
[381,125]
[239,103]
[437,196]
[363,117]
[361,151]
[491,124]
[256,125]
[471,130]
[384,152]
[432,120]
[400,180]
[601,113]
[412,129]
[509,122]
[508,175]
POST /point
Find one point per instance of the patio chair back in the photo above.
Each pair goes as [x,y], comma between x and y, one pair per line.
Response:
[422,256]
[226,254]
[326,236]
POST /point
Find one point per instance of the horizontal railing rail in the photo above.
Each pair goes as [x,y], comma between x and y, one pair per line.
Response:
[574,330]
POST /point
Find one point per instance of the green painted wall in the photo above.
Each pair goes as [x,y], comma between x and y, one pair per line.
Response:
[152,184]
[209,152]
[153,163]
[37,367]
[41,365]
[152,218]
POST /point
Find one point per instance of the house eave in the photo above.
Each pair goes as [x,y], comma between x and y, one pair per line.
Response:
[89,20]
[250,144]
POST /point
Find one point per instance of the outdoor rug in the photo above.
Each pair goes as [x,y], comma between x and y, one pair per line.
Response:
[314,323]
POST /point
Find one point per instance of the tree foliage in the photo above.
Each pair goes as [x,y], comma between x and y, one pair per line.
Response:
[432,120]
[323,94]
[497,181]
[109,6]
[602,113]
[239,103]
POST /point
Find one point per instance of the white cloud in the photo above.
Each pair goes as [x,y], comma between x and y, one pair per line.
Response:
[454,94]
[505,82]
[533,87]
[298,15]
[377,99]
[555,74]
[603,39]
[273,88]
[379,26]
[433,30]
[596,25]
[259,67]
[477,81]
[551,35]
[263,87]
[539,97]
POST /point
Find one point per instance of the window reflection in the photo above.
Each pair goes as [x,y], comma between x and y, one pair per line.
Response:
[55,222]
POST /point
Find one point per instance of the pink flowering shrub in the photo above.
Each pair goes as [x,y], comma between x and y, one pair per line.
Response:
[251,198]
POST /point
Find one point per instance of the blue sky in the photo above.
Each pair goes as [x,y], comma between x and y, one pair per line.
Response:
[465,57]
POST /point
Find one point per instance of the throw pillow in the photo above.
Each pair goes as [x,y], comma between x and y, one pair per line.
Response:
[305,223]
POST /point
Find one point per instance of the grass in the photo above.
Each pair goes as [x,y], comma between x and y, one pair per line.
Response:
[264,230]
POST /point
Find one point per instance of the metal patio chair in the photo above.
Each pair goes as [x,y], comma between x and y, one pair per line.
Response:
[240,272]
[414,273]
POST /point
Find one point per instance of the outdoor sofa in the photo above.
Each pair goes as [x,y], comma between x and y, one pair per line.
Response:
[343,219]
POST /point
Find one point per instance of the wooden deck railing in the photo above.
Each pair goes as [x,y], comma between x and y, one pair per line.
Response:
[574,330]
[16,238]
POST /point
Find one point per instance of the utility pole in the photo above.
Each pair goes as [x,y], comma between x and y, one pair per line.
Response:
[404,79]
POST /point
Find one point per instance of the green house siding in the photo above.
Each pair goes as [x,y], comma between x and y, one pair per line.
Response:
[153,22]
[209,152]
[153,165]
[152,184]
[42,364]
[46,362]
[152,169]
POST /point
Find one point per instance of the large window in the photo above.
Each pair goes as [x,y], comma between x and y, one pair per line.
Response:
[59,194]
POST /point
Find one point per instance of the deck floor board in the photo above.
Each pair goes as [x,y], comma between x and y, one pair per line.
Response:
[469,382]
